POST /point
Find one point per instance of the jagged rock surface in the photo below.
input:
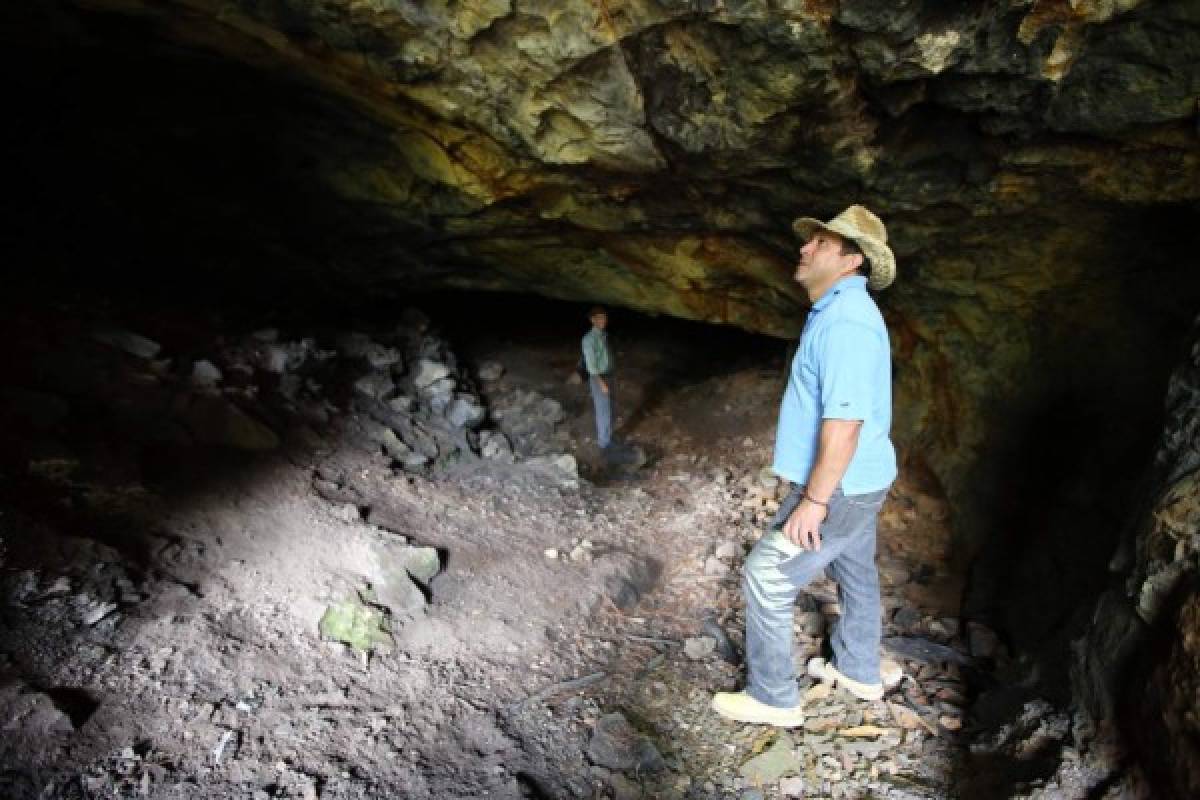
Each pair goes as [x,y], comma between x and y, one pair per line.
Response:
[1139,666]
[650,153]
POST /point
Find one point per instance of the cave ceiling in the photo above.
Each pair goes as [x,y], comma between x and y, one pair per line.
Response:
[651,154]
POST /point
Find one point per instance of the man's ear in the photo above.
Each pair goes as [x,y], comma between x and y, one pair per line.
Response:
[857,258]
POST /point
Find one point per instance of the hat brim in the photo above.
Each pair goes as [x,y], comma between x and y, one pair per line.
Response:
[883,260]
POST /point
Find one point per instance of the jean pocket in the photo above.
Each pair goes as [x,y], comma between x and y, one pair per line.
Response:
[836,513]
[869,502]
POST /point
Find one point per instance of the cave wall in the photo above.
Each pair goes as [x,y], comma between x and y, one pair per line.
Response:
[1037,162]
[1137,670]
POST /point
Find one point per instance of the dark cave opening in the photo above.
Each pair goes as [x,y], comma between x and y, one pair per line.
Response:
[1069,458]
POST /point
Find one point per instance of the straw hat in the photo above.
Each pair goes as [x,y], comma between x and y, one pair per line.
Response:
[864,229]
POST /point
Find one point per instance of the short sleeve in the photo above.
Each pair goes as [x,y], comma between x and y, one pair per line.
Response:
[849,368]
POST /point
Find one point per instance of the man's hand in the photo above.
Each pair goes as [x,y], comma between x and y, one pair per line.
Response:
[803,526]
[603,385]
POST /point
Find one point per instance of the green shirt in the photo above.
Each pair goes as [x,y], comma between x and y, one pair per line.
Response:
[595,352]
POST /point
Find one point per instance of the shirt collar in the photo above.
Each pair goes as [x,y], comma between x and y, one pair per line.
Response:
[848,282]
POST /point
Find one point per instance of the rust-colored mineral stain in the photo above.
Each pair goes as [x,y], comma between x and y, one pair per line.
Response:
[1052,12]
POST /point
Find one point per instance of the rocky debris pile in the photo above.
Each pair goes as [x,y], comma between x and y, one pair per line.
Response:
[401,393]
[761,493]
[416,404]
[82,588]
[682,643]
[530,420]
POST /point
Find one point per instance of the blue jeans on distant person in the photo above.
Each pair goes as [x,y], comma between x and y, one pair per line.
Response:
[775,572]
[604,411]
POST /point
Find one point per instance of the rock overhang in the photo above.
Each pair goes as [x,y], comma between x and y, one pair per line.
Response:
[652,154]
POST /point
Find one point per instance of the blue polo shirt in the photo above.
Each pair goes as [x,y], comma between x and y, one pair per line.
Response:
[842,370]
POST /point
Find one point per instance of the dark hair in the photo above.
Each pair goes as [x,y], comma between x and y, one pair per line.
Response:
[597,310]
[851,248]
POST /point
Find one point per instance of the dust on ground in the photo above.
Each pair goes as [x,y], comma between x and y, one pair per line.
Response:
[162,604]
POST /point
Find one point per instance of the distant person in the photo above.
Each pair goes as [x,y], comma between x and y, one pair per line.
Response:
[598,361]
[833,445]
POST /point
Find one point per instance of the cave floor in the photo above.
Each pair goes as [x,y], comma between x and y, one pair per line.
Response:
[160,631]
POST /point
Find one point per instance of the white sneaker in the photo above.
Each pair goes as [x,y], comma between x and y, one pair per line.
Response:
[742,707]
[825,672]
[891,673]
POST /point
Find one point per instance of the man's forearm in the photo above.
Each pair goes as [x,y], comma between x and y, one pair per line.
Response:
[838,441]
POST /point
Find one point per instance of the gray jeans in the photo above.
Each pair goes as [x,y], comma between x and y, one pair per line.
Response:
[603,403]
[775,572]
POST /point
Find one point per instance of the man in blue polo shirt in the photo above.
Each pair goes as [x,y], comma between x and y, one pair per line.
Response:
[832,444]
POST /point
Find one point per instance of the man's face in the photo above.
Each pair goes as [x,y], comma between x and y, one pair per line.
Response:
[600,321]
[822,262]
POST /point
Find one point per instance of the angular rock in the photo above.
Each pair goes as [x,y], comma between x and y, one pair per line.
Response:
[96,611]
[31,714]
[792,787]
[380,357]
[205,373]
[401,404]
[386,438]
[442,388]
[727,551]
[916,648]
[773,764]
[490,371]
[398,449]
[377,385]
[422,563]
[356,624]
[715,567]
[728,651]
[699,648]
[400,595]
[615,744]
[561,468]
[273,358]
[429,372]
[464,411]
[494,445]
[129,342]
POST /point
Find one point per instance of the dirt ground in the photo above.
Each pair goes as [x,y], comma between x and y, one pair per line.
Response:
[161,605]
